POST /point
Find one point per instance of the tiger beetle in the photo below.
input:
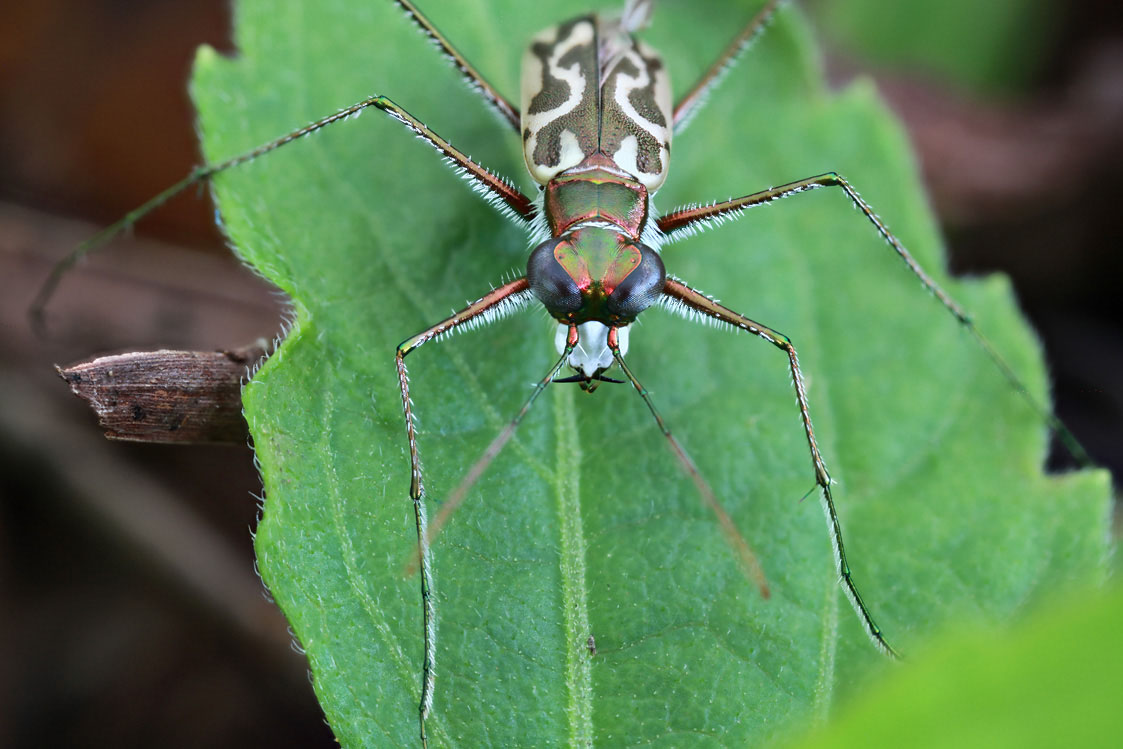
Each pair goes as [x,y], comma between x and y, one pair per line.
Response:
[596,118]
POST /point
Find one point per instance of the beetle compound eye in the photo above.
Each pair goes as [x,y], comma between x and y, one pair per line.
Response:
[640,288]
[551,283]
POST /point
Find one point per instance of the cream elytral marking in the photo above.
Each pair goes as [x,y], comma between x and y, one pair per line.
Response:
[627,156]
[533,83]
[625,86]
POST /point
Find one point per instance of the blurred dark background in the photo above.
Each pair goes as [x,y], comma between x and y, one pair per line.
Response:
[133,616]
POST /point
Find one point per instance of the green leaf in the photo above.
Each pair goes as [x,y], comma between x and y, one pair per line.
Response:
[585,526]
[1053,680]
[992,47]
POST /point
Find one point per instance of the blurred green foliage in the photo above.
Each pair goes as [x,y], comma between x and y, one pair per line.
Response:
[991,47]
[1054,679]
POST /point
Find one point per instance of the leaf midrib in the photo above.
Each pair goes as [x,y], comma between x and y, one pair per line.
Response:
[575,593]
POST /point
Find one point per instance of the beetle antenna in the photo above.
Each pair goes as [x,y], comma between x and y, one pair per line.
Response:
[750,565]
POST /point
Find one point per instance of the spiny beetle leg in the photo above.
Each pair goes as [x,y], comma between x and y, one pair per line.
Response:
[692,101]
[685,221]
[507,111]
[498,192]
[498,303]
[680,297]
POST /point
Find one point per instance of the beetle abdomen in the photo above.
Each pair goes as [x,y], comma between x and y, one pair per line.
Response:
[588,86]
